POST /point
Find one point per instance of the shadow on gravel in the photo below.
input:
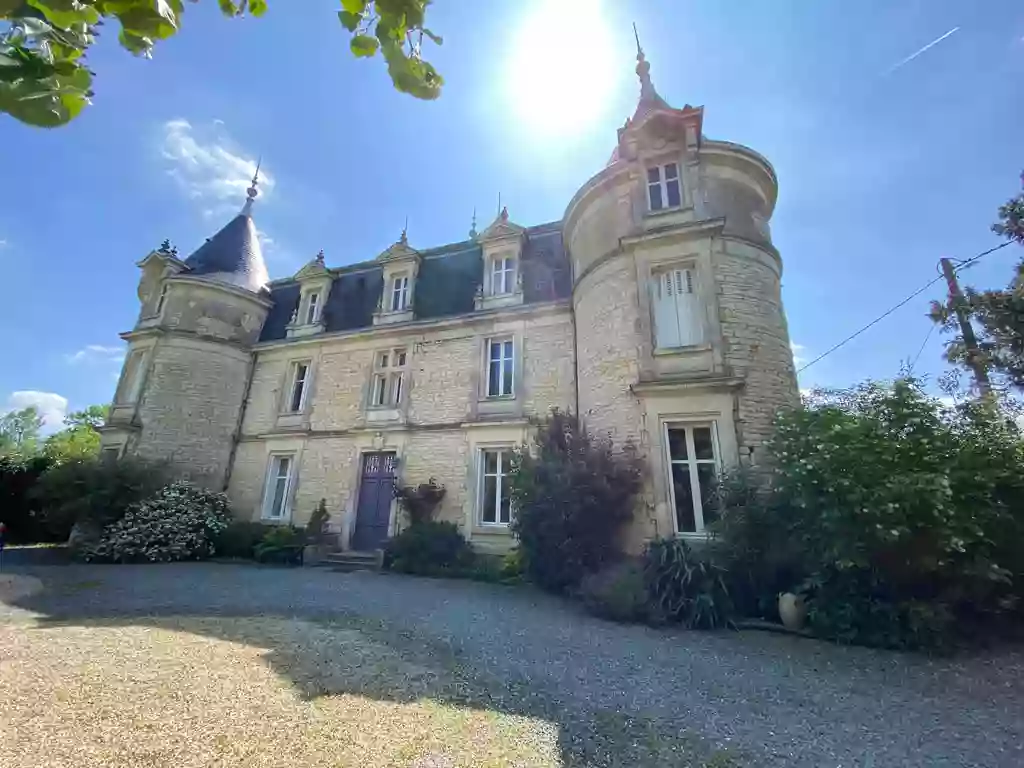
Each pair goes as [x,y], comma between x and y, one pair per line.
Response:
[348,654]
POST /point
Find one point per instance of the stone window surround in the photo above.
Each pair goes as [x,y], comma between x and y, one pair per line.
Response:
[505,454]
[409,267]
[312,306]
[134,375]
[284,413]
[481,436]
[662,184]
[691,462]
[273,455]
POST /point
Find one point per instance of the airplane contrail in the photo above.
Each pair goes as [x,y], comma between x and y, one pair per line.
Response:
[917,53]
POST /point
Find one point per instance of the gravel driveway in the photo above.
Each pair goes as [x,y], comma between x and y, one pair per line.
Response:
[611,690]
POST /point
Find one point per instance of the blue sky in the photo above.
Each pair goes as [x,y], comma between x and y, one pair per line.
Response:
[883,167]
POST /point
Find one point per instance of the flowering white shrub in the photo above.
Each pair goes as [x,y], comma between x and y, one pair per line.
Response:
[178,522]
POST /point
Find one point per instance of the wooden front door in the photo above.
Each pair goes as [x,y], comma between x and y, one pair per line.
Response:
[376,492]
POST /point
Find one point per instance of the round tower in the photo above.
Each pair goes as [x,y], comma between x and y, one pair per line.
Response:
[189,357]
[682,345]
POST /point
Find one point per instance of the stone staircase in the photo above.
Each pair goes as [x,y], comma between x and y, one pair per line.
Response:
[353,561]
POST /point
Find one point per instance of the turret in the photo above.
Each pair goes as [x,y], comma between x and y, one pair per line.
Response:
[189,357]
[682,344]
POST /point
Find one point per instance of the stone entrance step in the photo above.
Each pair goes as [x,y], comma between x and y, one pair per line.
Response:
[354,561]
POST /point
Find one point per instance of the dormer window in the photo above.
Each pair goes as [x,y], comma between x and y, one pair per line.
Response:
[312,314]
[162,299]
[663,187]
[503,275]
[399,292]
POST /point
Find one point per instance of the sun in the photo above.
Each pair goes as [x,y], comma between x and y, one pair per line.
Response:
[562,71]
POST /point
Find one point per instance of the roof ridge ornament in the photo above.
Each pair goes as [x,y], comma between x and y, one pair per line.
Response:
[649,97]
[252,192]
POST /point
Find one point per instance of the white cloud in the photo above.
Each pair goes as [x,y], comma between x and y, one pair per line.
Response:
[3,243]
[209,167]
[96,353]
[52,407]
[798,357]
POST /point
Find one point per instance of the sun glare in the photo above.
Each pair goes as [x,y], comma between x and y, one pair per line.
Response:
[562,71]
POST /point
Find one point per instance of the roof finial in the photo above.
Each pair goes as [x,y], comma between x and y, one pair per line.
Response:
[504,213]
[499,203]
[648,95]
[252,192]
[405,232]
[320,257]
[472,229]
[639,50]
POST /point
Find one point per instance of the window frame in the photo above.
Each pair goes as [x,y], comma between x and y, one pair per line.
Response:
[501,476]
[131,380]
[691,462]
[293,381]
[399,301]
[273,476]
[161,299]
[504,362]
[662,185]
[312,308]
[509,266]
[390,375]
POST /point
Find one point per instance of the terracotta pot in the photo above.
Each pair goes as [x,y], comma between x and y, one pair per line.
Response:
[792,611]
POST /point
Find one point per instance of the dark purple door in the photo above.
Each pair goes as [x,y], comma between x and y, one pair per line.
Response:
[373,511]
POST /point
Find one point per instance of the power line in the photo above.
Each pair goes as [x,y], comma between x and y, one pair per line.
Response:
[914,295]
[931,327]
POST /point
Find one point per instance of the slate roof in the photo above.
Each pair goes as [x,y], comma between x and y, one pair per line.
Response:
[232,256]
[446,285]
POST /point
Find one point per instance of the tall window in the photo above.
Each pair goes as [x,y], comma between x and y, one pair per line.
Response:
[299,387]
[388,379]
[279,481]
[663,187]
[691,452]
[678,312]
[312,308]
[495,494]
[131,385]
[499,367]
[399,293]
[161,299]
[503,275]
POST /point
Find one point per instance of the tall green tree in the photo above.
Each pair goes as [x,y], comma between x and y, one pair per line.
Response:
[80,439]
[45,81]
[19,431]
[998,315]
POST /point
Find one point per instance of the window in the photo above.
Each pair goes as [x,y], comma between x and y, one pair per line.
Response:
[503,275]
[663,187]
[161,299]
[499,367]
[312,308]
[388,379]
[399,293]
[495,492]
[111,454]
[691,453]
[678,313]
[279,482]
[299,387]
[131,385]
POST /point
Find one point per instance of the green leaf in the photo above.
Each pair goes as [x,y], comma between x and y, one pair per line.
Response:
[364,46]
[228,8]
[349,20]
[257,7]
[357,7]
[438,40]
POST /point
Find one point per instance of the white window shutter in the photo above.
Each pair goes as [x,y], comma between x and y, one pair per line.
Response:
[666,325]
[689,309]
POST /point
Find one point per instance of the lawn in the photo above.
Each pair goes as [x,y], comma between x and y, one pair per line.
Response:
[271,691]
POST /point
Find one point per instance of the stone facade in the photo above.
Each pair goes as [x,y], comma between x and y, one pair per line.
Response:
[653,309]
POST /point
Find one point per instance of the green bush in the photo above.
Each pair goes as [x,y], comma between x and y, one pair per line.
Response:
[239,539]
[316,529]
[513,566]
[428,549]
[178,522]
[571,497]
[420,502]
[19,509]
[900,520]
[686,586]
[617,593]
[280,544]
[94,493]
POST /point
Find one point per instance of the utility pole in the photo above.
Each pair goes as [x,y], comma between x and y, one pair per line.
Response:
[956,303]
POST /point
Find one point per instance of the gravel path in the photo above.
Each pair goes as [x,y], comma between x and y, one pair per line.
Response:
[770,700]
